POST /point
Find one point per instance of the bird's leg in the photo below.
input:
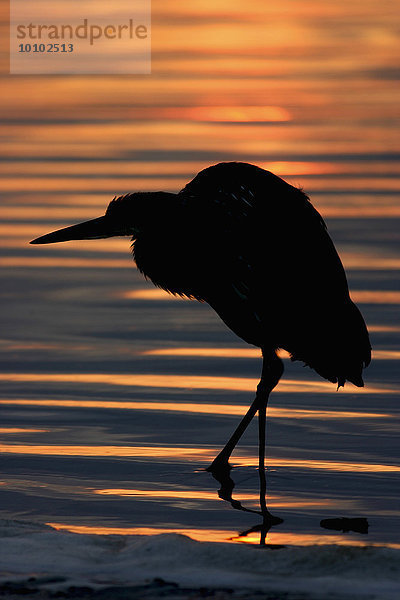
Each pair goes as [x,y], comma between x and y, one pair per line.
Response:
[268,519]
[262,421]
[220,463]
[266,524]
[271,373]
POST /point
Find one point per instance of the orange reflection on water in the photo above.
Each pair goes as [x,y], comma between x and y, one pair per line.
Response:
[239,114]
[223,535]
[39,212]
[28,345]
[248,352]
[104,167]
[201,535]
[365,211]
[183,169]
[385,354]
[22,430]
[65,262]
[213,352]
[116,246]
[376,296]
[244,384]
[325,465]
[100,184]
[148,294]
[361,183]
[198,408]
[183,494]
[384,328]
[307,539]
[367,261]
[162,452]
[197,454]
[358,296]
[287,168]
[196,494]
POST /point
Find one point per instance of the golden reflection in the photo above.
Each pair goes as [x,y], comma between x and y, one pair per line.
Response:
[358,296]
[384,328]
[102,185]
[386,354]
[322,107]
[65,262]
[376,297]
[201,535]
[183,494]
[103,139]
[288,168]
[248,352]
[277,501]
[352,211]
[37,213]
[182,169]
[239,114]
[20,345]
[308,539]
[162,452]
[198,408]
[360,184]
[223,535]
[19,230]
[104,167]
[351,261]
[22,430]
[209,352]
[243,384]
[362,262]
[147,294]
[191,454]
[115,245]
[326,465]
[368,261]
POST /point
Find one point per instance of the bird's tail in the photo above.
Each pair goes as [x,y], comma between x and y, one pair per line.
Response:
[340,354]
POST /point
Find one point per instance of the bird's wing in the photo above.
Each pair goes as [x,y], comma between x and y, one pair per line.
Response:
[254,222]
[241,215]
[270,269]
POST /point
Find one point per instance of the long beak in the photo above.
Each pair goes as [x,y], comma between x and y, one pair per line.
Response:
[103,227]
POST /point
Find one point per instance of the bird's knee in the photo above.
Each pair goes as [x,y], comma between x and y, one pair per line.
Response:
[271,373]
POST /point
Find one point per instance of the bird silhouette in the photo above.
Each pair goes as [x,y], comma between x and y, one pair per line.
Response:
[255,249]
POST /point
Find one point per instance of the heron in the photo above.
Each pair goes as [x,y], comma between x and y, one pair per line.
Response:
[255,249]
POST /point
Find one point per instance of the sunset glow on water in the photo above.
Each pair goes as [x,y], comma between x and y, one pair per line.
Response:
[115,396]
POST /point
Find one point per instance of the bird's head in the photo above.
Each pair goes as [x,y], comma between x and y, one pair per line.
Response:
[125,216]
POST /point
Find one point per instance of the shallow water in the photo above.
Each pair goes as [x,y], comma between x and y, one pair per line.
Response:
[114,396]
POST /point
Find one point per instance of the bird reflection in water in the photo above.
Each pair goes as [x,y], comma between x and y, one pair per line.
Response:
[222,473]
[255,249]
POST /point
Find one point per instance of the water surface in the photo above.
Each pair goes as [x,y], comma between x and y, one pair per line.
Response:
[115,397]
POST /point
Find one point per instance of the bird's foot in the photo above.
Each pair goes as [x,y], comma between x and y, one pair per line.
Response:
[263,528]
[271,520]
[220,467]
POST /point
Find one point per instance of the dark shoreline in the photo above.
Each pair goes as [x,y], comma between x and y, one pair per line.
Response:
[158,588]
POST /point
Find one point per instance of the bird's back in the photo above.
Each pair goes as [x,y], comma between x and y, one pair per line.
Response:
[277,279]
[257,251]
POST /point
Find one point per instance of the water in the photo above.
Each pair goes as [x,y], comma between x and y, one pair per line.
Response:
[115,397]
